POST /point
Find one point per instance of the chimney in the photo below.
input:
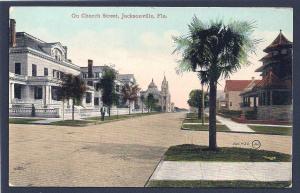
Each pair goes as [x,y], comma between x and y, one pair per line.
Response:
[12,33]
[90,69]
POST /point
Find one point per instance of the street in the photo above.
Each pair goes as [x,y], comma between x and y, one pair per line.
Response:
[122,153]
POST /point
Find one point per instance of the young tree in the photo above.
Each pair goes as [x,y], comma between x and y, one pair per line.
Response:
[195,100]
[73,87]
[130,94]
[107,85]
[214,51]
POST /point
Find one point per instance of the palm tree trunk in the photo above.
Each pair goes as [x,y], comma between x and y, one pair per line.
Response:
[129,107]
[202,106]
[212,116]
[73,107]
[109,111]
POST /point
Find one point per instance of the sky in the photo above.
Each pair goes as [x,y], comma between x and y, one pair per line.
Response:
[144,46]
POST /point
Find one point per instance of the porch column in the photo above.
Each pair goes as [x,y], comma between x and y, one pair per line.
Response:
[255,101]
[12,95]
[49,94]
[27,93]
[44,96]
[92,98]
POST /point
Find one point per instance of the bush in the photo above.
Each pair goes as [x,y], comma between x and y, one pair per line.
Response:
[251,115]
[230,113]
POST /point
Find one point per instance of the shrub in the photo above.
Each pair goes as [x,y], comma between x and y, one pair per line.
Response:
[251,115]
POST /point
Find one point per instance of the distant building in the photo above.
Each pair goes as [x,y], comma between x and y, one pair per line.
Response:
[233,89]
[162,96]
[273,94]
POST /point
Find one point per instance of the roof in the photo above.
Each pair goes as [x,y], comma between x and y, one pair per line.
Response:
[236,85]
[126,78]
[95,68]
[279,41]
[271,81]
[152,84]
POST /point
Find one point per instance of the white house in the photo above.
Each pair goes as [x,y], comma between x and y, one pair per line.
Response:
[35,71]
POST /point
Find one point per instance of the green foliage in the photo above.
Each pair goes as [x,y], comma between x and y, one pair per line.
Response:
[230,113]
[251,115]
[151,101]
[107,85]
[73,87]
[191,152]
[130,92]
[195,98]
[215,50]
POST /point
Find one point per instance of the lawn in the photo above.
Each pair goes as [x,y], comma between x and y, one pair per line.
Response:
[73,123]
[97,120]
[203,127]
[191,152]
[193,118]
[217,184]
[272,130]
[22,120]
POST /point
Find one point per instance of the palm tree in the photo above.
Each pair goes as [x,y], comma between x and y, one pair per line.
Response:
[130,93]
[214,51]
[73,87]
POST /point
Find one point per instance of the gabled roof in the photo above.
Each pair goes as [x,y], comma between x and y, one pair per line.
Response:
[279,41]
[236,85]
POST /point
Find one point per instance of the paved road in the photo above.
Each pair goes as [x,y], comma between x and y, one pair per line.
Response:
[122,153]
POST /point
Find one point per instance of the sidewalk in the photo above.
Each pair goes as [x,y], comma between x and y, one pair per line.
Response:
[47,120]
[233,126]
[223,171]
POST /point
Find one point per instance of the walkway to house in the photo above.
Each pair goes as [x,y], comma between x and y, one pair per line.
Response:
[233,126]
[222,171]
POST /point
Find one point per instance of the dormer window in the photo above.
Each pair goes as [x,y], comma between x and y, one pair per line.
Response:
[57,54]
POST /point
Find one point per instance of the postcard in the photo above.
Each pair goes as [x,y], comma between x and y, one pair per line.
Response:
[196,97]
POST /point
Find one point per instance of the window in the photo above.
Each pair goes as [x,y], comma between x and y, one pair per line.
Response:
[53,73]
[88,97]
[17,68]
[118,88]
[33,70]
[90,83]
[97,74]
[18,91]
[96,101]
[45,71]
[230,103]
[38,92]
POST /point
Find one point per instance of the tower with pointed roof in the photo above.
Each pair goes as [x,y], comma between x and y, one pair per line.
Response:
[274,91]
[165,96]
